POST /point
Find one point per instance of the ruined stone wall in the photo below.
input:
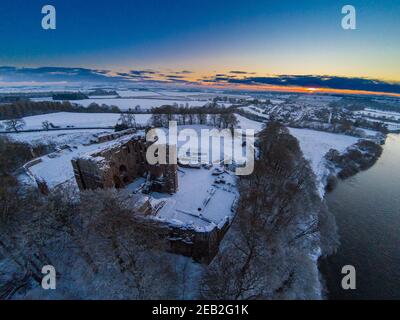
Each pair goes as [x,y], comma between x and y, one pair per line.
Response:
[119,165]
[124,164]
[113,135]
[87,174]
[168,173]
[201,246]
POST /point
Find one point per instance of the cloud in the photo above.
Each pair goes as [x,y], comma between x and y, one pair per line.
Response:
[9,74]
[142,72]
[173,76]
[314,81]
[134,75]
[71,75]
[241,72]
[183,72]
[46,74]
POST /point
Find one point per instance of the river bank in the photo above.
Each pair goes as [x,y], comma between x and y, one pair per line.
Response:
[366,208]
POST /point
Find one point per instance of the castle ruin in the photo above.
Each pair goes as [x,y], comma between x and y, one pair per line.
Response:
[119,163]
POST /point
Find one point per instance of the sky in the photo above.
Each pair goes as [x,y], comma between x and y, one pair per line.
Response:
[204,41]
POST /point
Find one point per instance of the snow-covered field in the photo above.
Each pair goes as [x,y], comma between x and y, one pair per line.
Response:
[177,93]
[380,114]
[131,103]
[392,126]
[254,110]
[87,120]
[245,123]
[136,93]
[104,97]
[164,93]
[125,104]
[315,145]
[77,119]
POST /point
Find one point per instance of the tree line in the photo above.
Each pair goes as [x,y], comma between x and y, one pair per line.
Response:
[27,108]
[211,114]
[280,222]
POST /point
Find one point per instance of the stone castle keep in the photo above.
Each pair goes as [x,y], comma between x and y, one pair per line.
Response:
[121,162]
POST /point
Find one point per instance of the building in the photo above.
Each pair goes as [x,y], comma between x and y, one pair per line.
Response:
[119,163]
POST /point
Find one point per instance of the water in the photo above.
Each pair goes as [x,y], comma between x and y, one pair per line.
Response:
[367,211]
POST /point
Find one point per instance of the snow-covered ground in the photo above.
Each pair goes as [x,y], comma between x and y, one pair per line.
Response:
[315,145]
[255,110]
[191,94]
[245,123]
[104,97]
[56,168]
[193,144]
[392,126]
[369,132]
[78,119]
[136,93]
[165,93]
[199,202]
[57,137]
[389,115]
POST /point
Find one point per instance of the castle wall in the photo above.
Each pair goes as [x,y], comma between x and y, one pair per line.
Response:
[120,164]
[201,246]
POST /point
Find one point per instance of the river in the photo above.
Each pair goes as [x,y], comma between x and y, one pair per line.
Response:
[367,212]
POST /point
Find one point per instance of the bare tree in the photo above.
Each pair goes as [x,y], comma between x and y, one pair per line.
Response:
[15,124]
[46,125]
[127,120]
